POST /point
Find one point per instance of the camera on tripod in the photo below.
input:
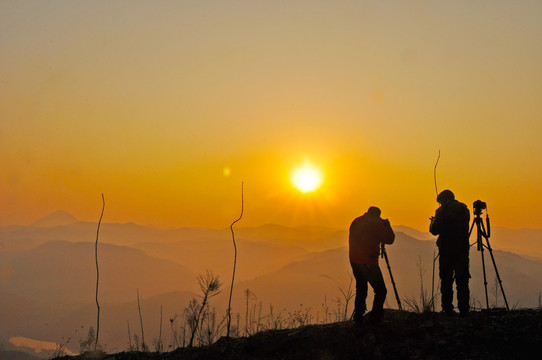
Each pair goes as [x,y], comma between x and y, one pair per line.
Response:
[478,206]
[483,233]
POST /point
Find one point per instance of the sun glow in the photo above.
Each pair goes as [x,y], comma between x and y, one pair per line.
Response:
[307,178]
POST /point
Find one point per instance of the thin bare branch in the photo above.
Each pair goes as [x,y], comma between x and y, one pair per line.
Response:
[143,345]
[98,275]
[234,262]
[435,172]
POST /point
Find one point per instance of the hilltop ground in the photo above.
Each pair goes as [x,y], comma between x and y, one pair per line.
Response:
[495,334]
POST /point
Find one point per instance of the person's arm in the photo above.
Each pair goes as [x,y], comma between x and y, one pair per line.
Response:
[466,219]
[387,236]
[435,226]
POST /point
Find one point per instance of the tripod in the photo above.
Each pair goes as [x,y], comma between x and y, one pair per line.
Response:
[481,234]
[384,254]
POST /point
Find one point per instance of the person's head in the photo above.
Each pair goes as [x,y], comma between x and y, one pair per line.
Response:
[445,196]
[374,211]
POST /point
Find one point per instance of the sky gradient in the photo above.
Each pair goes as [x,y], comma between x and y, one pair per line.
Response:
[167,106]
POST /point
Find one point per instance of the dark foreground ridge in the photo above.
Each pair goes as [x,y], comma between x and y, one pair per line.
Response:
[495,334]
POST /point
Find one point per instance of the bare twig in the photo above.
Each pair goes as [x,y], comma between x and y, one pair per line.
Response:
[160,347]
[434,257]
[425,303]
[98,274]
[234,263]
[129,337]
[143,346]
[435,172]
[210,286]
[347,295]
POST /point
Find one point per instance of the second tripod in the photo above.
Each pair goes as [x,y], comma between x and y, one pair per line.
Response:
[483,233]
[384,254]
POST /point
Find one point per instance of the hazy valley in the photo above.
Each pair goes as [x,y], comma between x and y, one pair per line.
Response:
[48,275]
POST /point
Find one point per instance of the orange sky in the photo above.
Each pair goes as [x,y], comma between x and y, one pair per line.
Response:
[149,102]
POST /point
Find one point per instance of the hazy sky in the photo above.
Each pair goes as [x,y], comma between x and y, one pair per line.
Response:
[167,106]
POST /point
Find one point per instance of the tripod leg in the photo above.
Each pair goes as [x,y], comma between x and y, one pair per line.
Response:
[485,279]
[393,282]
[480,246]
[497,273]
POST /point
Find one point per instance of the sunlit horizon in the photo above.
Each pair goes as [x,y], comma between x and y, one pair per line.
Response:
[167,109]
[297,115]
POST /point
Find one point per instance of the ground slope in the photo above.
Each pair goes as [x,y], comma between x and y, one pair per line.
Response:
[484,335]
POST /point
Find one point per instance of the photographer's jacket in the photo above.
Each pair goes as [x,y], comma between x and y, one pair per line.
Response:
[367,232]
[451,223]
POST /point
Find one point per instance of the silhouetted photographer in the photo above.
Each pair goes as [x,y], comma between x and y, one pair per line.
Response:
[367,233]
[451,224]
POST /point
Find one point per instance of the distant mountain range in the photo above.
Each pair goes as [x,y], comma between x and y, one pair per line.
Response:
[48,273]
[58,218]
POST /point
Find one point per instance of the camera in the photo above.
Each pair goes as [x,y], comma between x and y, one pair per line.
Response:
[478,206]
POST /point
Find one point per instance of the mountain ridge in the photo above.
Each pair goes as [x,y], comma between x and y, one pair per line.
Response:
[57,218]
[306,270]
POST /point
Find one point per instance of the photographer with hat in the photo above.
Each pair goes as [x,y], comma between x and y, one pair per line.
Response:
[451,224]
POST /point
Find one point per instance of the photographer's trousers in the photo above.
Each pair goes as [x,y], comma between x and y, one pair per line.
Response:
[364,274]
[454,264]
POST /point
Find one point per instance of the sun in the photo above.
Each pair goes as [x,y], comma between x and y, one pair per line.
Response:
[307,178]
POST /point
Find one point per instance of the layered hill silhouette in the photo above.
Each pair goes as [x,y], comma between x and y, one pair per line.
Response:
[47,275]
[323,273]
[58,218]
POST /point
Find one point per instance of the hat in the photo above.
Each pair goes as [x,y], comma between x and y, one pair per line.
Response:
[373,210]
[445,196]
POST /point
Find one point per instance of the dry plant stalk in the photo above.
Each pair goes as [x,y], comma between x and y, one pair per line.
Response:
[143,346]
[160,347]
[98,274]
[435,172]
[426,302]
[129,337]
[209,286]
[348,295]
[234,262]
[434,257]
